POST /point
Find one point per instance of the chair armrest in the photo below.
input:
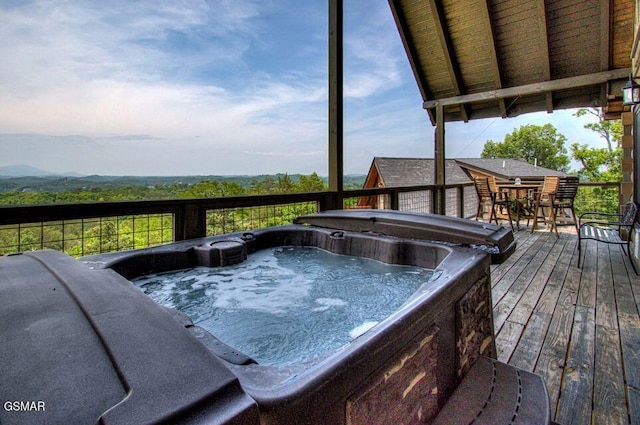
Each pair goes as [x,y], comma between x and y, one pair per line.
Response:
[594,217]
[601,224]
[595,213]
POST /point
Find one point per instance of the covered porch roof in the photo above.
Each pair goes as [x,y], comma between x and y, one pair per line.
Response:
[503,58]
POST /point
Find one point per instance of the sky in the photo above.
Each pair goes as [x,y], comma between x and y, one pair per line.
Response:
[218,87]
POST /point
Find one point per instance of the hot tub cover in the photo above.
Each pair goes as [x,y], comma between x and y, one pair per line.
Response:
[91,347]
[424,226]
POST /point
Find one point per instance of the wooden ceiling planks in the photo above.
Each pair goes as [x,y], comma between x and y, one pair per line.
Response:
[470,38]
[574,37]
[622,33]
[409,43]
[451,59]
[430,54]
[472,43]
[487,26]
[478,46]
[521,38]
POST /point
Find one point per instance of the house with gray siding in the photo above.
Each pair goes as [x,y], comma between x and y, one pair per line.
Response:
[406,172]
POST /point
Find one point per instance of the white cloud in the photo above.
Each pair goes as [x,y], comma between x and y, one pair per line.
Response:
[372,57]
[201,87]
[107,71]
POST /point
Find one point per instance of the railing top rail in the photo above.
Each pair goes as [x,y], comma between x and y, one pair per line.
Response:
[388,190]
[599,184]
[14,214]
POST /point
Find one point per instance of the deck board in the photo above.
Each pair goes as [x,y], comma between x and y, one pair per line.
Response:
[551,362]
[579,328]
[605,298]
[575,403]
[502,286]
[608,393]
[587,292]
[517,288]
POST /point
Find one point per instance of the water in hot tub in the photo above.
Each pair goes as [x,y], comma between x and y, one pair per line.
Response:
[286,305]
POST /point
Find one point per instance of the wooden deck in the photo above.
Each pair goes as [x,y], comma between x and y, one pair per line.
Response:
[578,328]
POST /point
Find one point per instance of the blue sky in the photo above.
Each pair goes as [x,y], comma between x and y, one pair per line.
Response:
[213,87]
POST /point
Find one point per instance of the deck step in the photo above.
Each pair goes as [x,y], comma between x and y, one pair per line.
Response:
[496,393]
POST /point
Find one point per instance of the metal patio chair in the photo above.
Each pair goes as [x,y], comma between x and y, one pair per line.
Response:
[563,202]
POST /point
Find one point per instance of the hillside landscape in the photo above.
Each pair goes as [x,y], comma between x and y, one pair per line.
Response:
[42,187]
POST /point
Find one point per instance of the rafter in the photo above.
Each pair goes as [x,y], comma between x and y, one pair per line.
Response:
[449,54]
[544,48]
[535,88]
[497,76]
[408,44]
[605,45]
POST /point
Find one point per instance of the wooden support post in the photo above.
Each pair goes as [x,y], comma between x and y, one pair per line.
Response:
[395,200]
[440,198]
[336,149]
[460,198]
[328,202]
[626,185]
[190,222]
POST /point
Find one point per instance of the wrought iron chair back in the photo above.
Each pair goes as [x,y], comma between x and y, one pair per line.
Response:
[563,200]
[609,228]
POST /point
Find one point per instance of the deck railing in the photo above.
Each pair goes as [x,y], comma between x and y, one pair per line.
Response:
[593,196]
[91,228]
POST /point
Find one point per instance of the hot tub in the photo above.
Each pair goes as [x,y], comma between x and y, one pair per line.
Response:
[94,346]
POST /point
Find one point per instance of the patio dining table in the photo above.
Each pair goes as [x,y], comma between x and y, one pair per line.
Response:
[521,194]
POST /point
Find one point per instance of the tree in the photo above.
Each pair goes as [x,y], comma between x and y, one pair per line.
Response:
[213,189]
[284,184]
[532,142]
[609,130]
[600,164]
[311,183]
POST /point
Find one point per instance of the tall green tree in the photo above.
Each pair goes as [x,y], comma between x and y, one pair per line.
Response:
[284,184]
[311,183]
[213,189]
[602,164]
[532,142]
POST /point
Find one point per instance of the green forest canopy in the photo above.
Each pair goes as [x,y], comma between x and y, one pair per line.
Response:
[96,235]
[63,190]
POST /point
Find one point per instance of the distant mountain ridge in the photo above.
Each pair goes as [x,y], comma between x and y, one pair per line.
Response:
[24,170]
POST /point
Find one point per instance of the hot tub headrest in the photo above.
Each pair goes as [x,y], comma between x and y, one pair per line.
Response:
[221,253]
[418,226]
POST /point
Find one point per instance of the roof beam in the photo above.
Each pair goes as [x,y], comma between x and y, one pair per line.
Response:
[450,61]
[544,50]
[535,88]
[408,44]
[497,76]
